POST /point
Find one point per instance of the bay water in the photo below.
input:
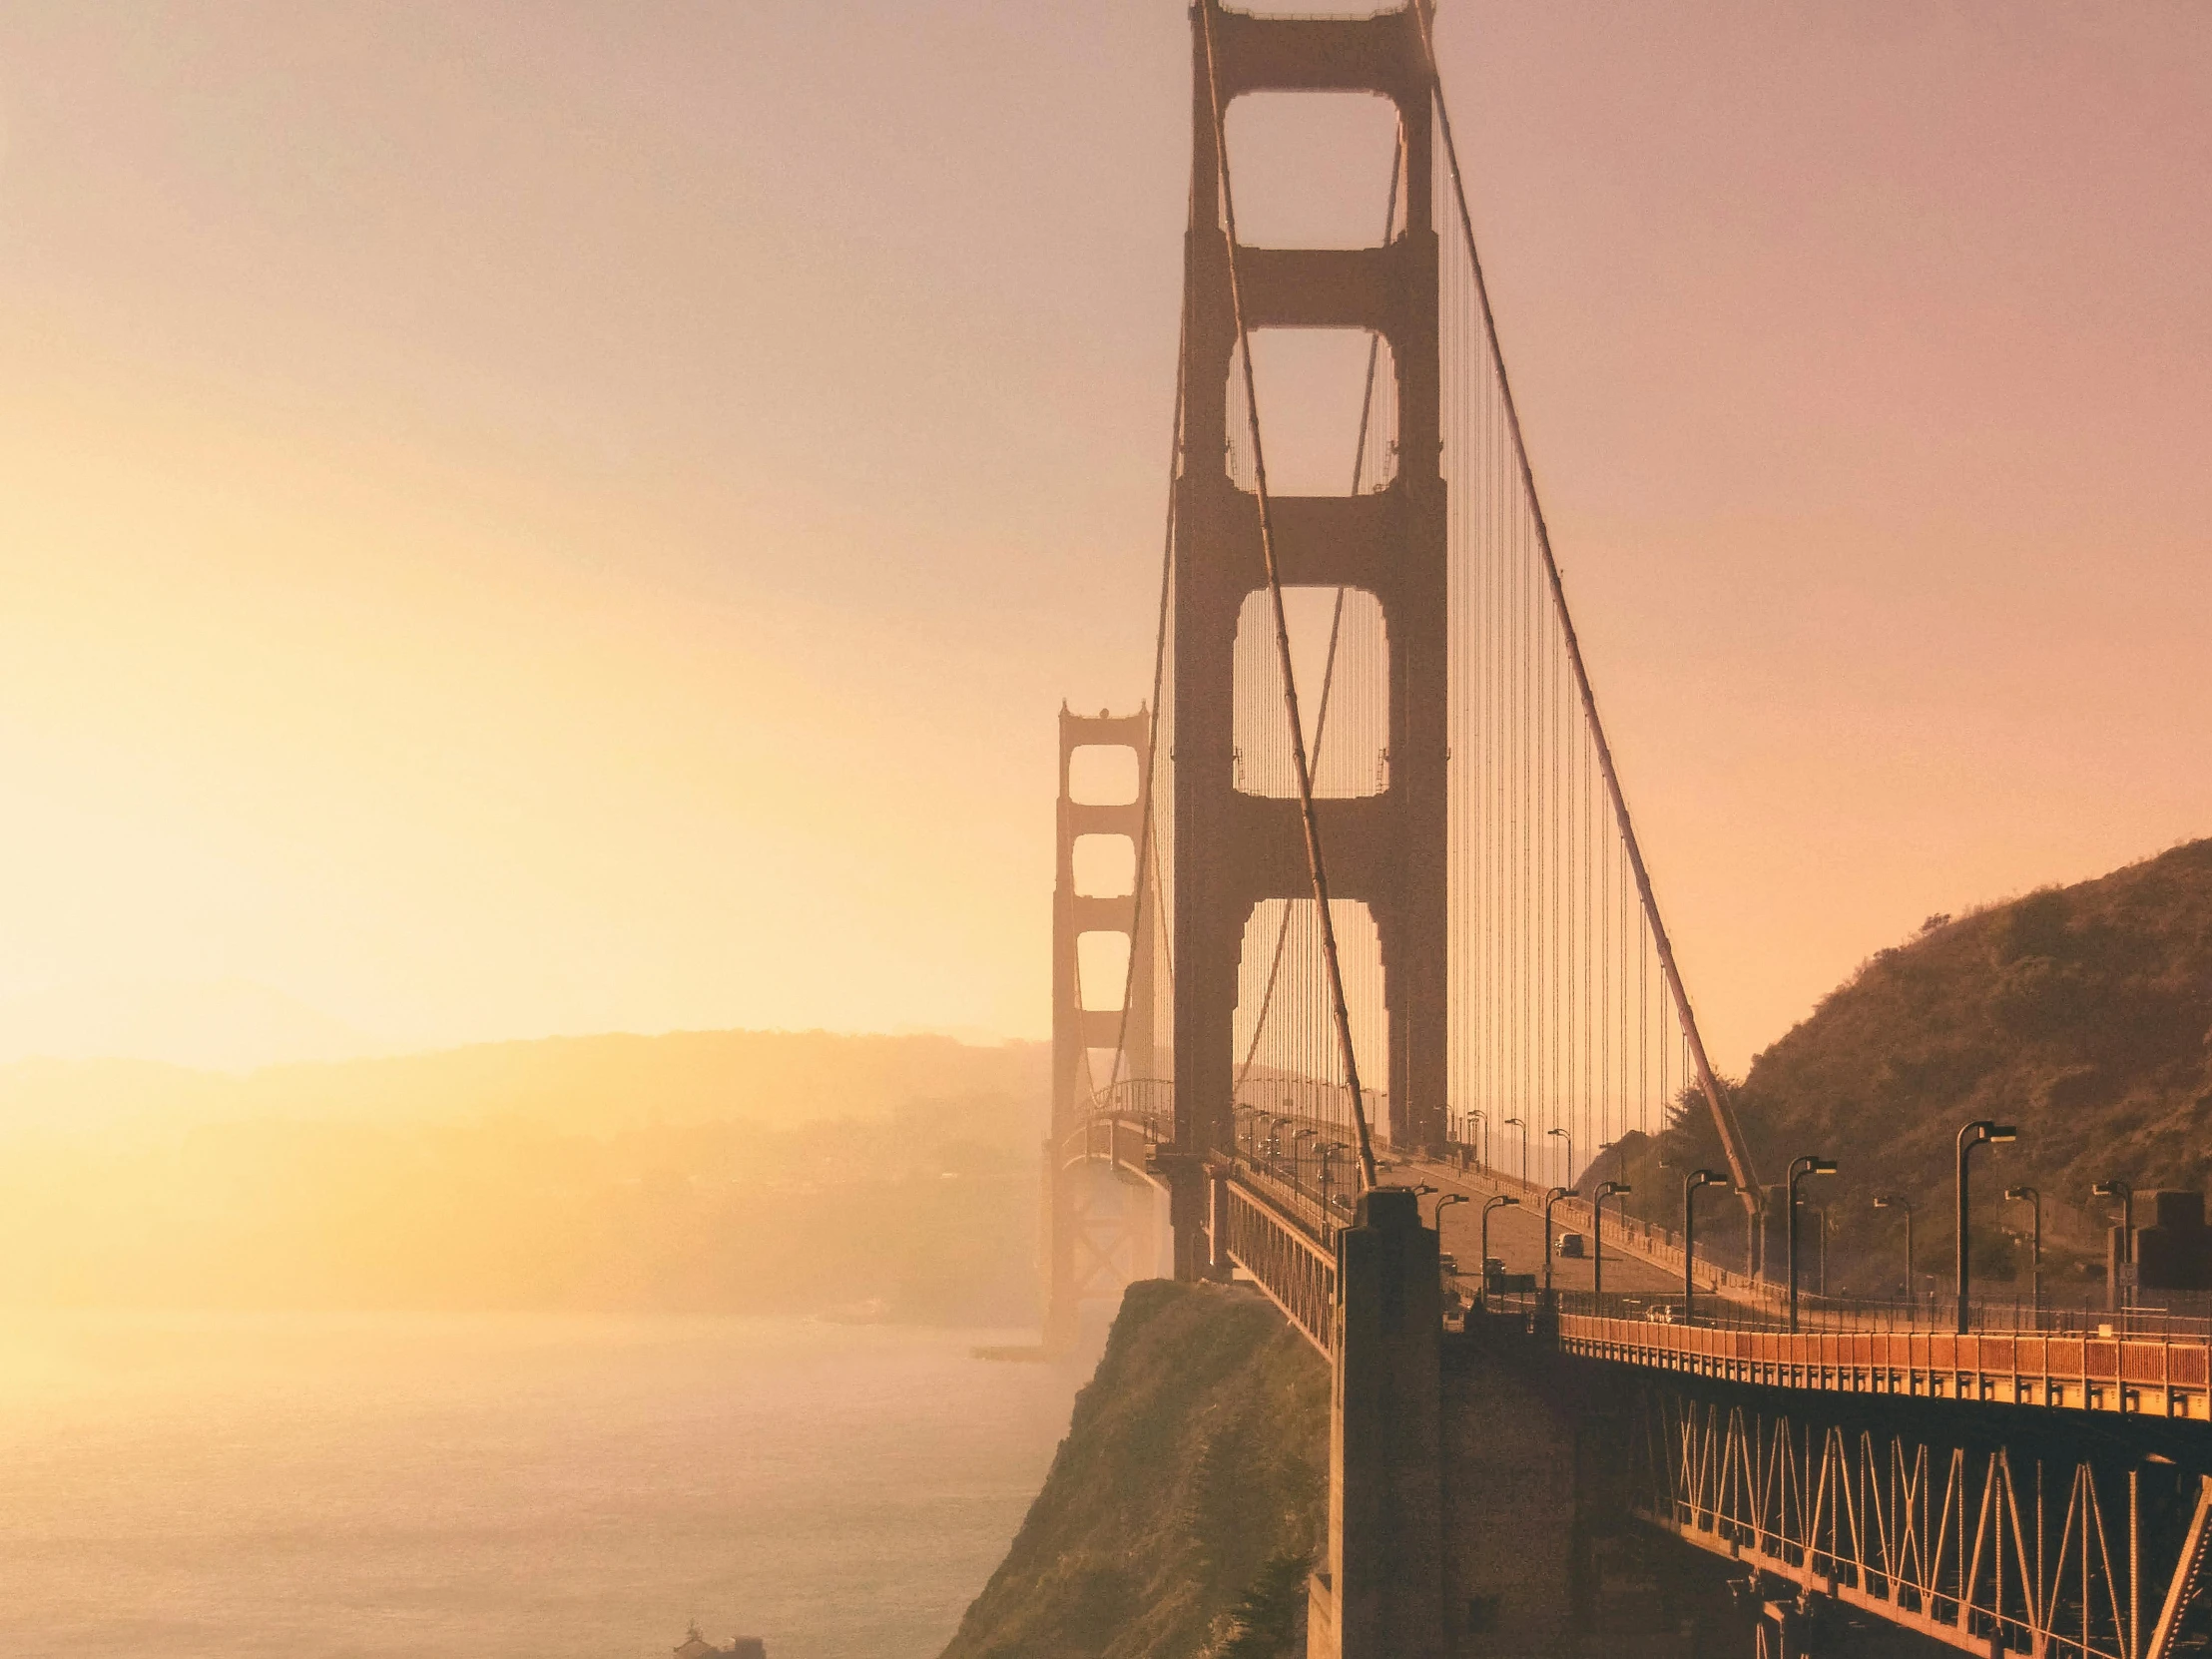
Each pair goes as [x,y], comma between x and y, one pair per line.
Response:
[357,1486]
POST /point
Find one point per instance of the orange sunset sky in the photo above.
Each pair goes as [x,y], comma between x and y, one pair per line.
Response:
[552,517]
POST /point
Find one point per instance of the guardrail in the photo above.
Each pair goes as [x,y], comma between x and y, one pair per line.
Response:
[1296,1271]
[2137,1374]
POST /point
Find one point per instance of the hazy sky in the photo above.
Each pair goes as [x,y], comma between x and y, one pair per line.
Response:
[553,517]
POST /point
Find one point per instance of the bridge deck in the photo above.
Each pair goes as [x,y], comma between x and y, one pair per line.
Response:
[1280,1234]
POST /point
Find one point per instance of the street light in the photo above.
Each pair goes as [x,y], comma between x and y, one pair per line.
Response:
[1479,1114]
[1550,1198]
[1449,1198]
[1800,1168]
[1695,1178]
[1302,1134]
[1820,1232]
[1569,1139]
[1896,1201]
[1328,1146]
[1522,1125]
[2035,1248]
[2118,1294]
[1981,1132]
[1606,1190]
[1501,1202]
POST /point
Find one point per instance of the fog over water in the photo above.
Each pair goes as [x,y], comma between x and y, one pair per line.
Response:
[226,1487]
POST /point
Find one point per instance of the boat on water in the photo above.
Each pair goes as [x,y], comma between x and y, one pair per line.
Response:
[696,1646]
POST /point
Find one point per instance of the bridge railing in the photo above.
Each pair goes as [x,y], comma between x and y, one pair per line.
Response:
[1322,1207]
[1144,1097]
[1829,1314]
[1277,1248]
[2135,1373]
[1127,1138]
[2000,1313]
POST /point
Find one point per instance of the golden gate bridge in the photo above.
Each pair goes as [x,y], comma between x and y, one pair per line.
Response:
[1386,917]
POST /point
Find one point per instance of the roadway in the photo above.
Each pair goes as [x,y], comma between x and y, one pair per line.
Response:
[1517,1235]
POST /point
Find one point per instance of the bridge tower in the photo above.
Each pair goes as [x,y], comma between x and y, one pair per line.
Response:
[1233,849]
[1085,1239]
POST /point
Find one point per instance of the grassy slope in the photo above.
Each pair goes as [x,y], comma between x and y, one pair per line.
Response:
[1196,1457]
[2084,1014]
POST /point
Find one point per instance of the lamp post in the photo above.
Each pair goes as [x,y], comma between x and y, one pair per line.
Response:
[1479,1115]
[1819,1233]
[1606,1190]
[2034,1249]
[1981,1132]
[1522,1125]
[1550,1198]
[2118,1294]
[1500,1201]
[1439,1219]
[1800,1168]
[1302,1134]
[1898,1200]
[1695,1178]
[1562,1133]
[1327,1147]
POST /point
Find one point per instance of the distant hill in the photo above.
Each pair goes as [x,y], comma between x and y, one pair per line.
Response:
[2082,1015]
[586,1084]
[707,1172]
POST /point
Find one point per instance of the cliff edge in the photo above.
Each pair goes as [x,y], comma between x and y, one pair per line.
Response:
[1184,1504]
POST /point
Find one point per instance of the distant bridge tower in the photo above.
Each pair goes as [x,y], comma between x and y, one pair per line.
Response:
[1096,1229]
[1233,849]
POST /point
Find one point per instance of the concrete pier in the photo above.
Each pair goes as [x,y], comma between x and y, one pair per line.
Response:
[1380,1592]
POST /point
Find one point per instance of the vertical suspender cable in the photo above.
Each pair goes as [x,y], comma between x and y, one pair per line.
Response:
[1724,1115]
[1152,739]
[1307,818]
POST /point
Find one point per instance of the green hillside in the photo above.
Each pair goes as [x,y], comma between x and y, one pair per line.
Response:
[2082,1015]
[1185,1502]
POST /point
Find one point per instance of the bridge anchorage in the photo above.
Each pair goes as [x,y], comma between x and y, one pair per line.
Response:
[1383,926]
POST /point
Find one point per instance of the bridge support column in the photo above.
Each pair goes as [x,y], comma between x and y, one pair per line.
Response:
[1190,1208]
[1380,1593]
[1219,1264]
